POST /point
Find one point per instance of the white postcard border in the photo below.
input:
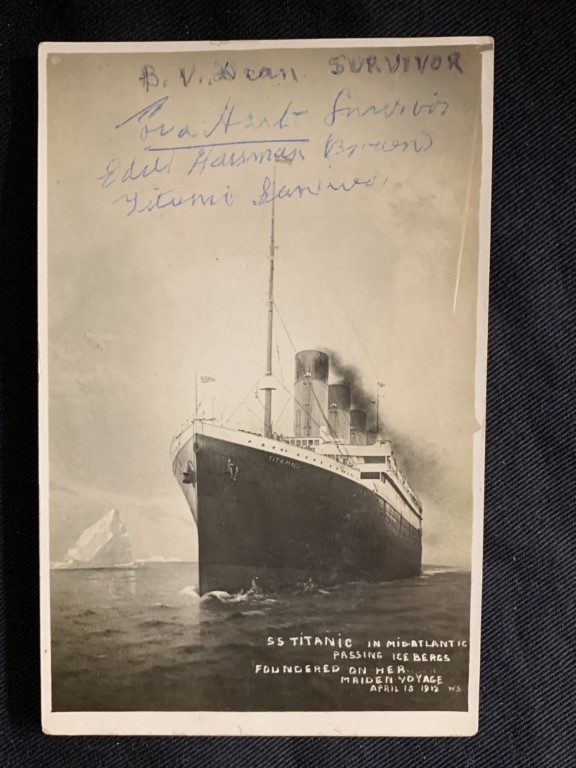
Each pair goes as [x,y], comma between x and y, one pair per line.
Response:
[374,723]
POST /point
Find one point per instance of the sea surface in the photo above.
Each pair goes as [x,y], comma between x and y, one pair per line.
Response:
[141,639]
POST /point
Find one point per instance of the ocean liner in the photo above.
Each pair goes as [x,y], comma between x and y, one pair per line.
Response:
[322,506]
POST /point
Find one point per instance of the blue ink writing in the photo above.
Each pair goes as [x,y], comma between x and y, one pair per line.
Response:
[151,122]
[135,171]
[149,78]
[267,194]
[333,147]
[225,120]
[266,73]
[387,65]
[209,157]
[167,199]
[386,110]
[185,77]
[142,116]
[226,144]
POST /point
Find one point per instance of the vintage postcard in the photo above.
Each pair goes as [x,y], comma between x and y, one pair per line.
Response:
[263,301]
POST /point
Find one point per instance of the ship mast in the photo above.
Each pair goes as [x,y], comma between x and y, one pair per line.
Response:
[268,389]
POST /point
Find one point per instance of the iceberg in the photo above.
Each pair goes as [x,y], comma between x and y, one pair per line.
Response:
[104,544]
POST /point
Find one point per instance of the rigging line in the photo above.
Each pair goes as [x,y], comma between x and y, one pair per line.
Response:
[359,338]
[253,386]
[293,347]
[338,446]
[318,403]
[238,305]
[331,429]
[303,371]
[250,411]
[280,363]
[257,329]
[284,326]
[300,404]
[283,409]
[257,397]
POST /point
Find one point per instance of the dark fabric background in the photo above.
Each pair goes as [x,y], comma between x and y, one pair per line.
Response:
[529,640]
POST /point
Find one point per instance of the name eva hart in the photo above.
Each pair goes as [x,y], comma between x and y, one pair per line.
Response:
[151,122]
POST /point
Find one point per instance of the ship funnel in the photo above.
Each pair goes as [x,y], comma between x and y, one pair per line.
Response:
[310,393]
[358,427]
[339,411]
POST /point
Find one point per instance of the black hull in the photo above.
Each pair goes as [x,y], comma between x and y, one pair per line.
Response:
[285,521]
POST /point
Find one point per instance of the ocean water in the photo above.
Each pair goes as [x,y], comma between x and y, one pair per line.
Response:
[136,639]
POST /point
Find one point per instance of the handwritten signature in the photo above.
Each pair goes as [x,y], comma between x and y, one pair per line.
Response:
[150,120]
[333,147]
[162,199]
[268,193]
[137,202]
[342,109]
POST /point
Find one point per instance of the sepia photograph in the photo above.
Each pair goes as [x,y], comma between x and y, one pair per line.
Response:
[263,307]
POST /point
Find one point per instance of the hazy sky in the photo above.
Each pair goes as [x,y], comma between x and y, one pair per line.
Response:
[140,302]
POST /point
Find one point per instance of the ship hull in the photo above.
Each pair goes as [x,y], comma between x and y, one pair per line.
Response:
[267,514]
